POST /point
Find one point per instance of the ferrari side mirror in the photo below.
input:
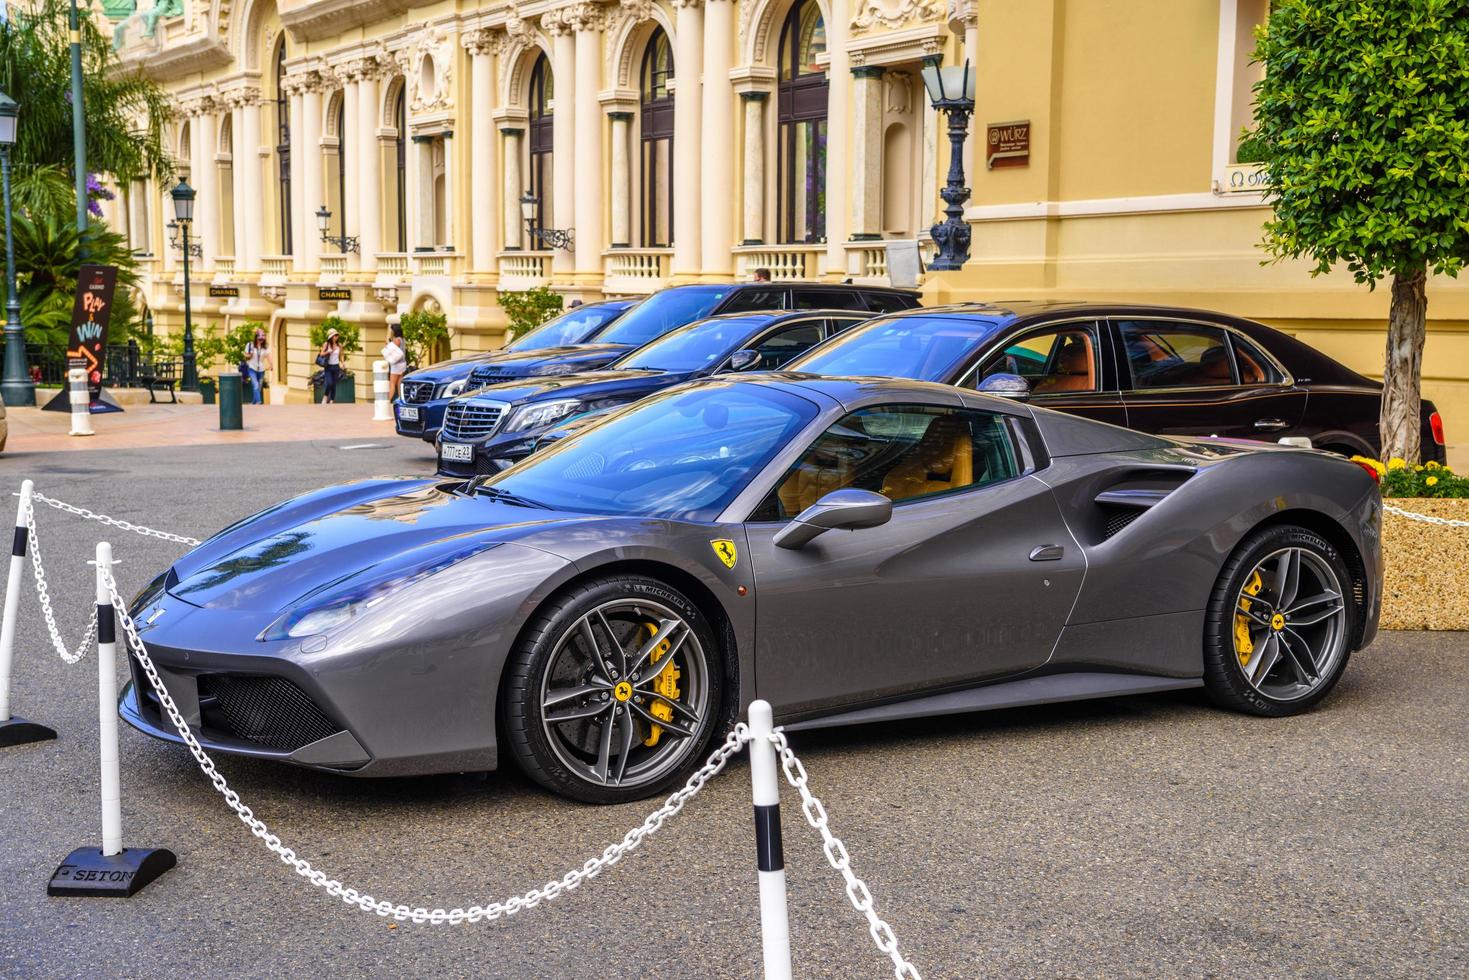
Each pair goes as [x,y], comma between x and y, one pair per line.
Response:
[743,360]
[850,509]
[1006,386]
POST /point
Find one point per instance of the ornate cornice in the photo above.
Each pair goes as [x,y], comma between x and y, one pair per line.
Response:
[557,23]
[482,41]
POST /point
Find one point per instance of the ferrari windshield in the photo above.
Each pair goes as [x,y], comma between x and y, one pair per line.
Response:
[572,327]
[683,454]
[923,348]
[694,347]
[661,312]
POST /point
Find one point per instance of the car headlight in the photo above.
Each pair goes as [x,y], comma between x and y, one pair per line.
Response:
[549,370]
[453,388]
[544,413]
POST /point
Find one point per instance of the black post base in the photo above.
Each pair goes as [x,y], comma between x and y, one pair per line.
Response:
[86,873]
[18,731]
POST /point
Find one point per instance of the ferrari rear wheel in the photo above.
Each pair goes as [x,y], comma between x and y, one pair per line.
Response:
[1279,625]
[615,692]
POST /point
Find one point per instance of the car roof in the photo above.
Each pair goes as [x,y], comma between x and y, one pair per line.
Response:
[806,283]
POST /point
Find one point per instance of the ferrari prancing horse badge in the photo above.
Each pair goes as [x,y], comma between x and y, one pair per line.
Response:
[725,549]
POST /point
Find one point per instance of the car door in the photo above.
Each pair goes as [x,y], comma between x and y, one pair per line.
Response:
[971,579]
[792,338]
[1068,365]
[1188,378]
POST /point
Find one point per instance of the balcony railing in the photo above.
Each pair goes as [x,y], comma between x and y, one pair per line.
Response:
[524,270]
[275,269]
[867,263]
[392,268]
[224,269]
[635,271]
[783,261]
[333,269]
[435,263]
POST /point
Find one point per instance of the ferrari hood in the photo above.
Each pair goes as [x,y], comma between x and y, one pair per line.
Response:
[318,543]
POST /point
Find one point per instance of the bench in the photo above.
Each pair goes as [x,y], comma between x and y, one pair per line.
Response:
[156,374]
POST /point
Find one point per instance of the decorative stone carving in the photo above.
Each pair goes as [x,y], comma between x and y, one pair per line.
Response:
[557,22]
[387,296]
[430,71]
[273,294]
[586,17]
[480,41]
[877,14]
[898,94]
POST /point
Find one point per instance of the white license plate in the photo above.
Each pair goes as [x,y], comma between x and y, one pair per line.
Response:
[408,413]
[456,451]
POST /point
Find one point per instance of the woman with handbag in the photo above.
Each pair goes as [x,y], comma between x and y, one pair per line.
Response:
[329,358]
[397,357]
[257,362]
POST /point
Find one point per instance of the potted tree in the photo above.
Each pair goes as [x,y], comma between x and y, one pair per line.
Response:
[351,339]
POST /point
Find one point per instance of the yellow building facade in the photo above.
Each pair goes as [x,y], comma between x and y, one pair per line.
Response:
[696,140]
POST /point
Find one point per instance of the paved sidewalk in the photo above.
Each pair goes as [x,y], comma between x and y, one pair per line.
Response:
[35,431]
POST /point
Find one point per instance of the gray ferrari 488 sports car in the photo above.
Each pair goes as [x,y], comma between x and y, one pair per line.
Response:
[852,550]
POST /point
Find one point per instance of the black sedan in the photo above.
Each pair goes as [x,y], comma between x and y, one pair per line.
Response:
[1166,370]
[489,429]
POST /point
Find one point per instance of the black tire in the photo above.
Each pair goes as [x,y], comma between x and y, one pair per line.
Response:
[529,738]
[1225,677]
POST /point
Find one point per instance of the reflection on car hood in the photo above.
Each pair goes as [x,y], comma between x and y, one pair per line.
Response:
[270,561]
[451,370]
[585,385]
[519,363]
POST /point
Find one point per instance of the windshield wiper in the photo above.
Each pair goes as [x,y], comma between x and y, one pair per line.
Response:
[477,486]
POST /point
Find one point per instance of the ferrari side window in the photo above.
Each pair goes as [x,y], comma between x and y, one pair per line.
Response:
[1053,361]
[903,452]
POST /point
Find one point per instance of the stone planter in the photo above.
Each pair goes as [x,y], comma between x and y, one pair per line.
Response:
[1426,567]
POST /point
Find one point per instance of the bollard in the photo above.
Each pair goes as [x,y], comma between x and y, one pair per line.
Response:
[16,731]
[382,411]
[112,871]
[231,394]
[80,397]
[775,927]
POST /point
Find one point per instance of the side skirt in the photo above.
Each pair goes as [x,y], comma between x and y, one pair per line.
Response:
[1048,689]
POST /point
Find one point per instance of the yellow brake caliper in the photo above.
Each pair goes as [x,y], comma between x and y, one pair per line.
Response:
[665,685]
[1244,647]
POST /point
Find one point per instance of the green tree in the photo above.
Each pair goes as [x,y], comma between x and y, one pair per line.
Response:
[347,333]
[422,331]
[529,309]
[1362,120]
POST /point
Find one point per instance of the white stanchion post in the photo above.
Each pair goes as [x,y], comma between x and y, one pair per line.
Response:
[16,731]
[381,410]
[111,870]
[775,928]
[81,403]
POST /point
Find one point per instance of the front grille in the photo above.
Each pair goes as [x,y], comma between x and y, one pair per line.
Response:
[468,420]
[417,392]
[269,711]
[482,376]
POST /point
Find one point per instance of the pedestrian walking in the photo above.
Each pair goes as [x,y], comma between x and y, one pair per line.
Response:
[330,360]
[396,354]
[257,362]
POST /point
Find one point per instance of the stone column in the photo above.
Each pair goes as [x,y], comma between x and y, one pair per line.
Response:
[621,178]
[838,149]
[447,232]
[482,183]
[564,135]
[717,129]
[206,183]
[421,179]
[514,187]
[313,194]
[349,149]
[253,201]
[241,156]
[752,229]
[303,231]
[866,160]
[370,171]
[590,237]
[688,57]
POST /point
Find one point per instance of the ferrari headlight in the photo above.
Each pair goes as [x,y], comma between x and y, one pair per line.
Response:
[550,370]
[327,618]
[543,413]
[453,388]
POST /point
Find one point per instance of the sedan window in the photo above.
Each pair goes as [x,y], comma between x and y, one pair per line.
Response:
[1164,354]
[922,348]
[662,312]
[903,452]
[572,327]
[1054,361]
[694,347]
[780,346]
[828,299]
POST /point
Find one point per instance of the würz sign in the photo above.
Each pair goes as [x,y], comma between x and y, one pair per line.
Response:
[1007,144]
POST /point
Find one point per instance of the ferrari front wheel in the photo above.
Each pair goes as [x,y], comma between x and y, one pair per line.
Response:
[614,692]
[1279,625]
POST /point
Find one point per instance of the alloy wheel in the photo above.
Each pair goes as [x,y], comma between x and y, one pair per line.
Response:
[1290,624]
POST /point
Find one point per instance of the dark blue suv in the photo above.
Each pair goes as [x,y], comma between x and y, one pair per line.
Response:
[418,410]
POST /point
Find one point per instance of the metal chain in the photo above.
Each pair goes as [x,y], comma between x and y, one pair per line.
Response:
[837,857]
[114,522]
[44,595]
[1425,518]
[351,896]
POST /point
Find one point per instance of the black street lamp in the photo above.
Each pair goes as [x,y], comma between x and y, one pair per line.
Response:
[17,387]
[344,243]
[183,213]
[951,90]
[544,237]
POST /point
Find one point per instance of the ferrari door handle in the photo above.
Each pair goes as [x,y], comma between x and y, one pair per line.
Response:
[1269,425]
[1047,552]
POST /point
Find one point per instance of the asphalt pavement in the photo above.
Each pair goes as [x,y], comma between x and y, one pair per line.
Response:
[1138,837]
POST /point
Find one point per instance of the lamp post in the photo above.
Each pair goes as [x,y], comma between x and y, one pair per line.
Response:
[17,387]
[951,90]
[183,213]
[536,236]
[344,243]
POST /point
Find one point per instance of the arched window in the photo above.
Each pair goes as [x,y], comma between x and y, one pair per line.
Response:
[656,125]
[400,157]
[283,146]
[801,116]
[542,92]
